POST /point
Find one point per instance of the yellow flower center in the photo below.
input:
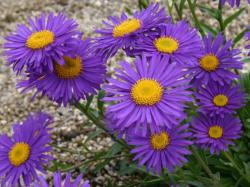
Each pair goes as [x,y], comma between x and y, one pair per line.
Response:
[209,62]
[126,27]
[220,100]
[160,141]
[215,132]
[166,44]
[72,68]
[19,153]
[146,92]
[40,39]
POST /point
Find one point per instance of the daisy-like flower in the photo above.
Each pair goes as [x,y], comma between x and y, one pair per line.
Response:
[232,2]
[25,153]
[124,31]
[147,93]
[45,40]
[215,99]
[79,76]
[163,150]
[216,62]
[177,42]
[216,133]
[58,182]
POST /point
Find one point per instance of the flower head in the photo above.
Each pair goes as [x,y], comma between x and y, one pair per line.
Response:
[215,99]
[59,183]
[177,42]
[45,40]
[161,150]
[147,94]
[124,31]
[216,62]
[26,152]
[79,76]
[216,133]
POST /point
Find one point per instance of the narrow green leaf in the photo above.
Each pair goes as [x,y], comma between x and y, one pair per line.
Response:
[246,60]
[128,10]
[143,4]
[208,28]
[181,6]
[239,37]
[58,166]
[89,101]
[233,17]
[211,11]
[116,148]
[92,135]
[100,103]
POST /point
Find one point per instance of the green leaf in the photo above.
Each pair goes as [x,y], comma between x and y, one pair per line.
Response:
[239,37]
[125,167]
[58,166]
[211,11]
[143,4]
[246,60]
[233,17]
[181,6]
[100,103]
[208,28]
[89,101]
[128,10]
[116,148]
[93,135]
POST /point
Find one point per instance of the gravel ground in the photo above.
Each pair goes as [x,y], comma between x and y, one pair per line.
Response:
[70,127]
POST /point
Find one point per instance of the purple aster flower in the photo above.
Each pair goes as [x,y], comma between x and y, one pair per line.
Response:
[163,150]
[216,62]
[26,152]
[215,99]
[177,42]
[77,78]
[216,133]
[59,183]
[147,94]
[248,38]
[232,2]
[124,31]
[45,41]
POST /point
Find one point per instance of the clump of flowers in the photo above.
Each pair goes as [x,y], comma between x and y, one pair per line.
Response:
[179,93]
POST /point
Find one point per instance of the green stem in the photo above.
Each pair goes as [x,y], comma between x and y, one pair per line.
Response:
[203,164]
[196,21]
[220,19]
[100,124]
